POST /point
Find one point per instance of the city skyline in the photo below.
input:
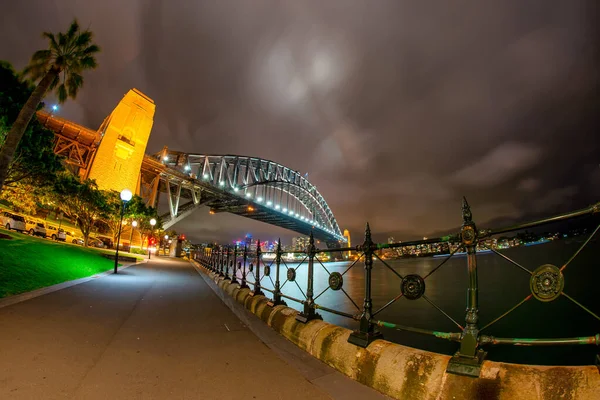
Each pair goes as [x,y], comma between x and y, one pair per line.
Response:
[503,113]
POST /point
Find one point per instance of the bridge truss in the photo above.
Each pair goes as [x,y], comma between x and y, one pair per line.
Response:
[251,187]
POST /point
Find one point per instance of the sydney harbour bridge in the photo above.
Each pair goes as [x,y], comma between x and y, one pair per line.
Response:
[263,190]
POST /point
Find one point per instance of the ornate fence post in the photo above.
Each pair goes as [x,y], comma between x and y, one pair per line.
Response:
[234,265]
[277,288]
[367,332]
[309,310]
[467,361]
[257,279]
[220,261]
[227,262]
[244,284]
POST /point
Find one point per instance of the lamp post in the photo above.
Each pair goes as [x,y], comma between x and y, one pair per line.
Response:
[165,246]
[152,223]
[126,195]
[133,225]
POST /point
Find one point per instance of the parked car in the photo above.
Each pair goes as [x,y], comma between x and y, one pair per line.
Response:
[108,242]
[96,242]
[13,221]
[35,227]
[56,233]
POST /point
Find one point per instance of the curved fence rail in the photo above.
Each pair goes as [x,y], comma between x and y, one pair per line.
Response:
[546,283]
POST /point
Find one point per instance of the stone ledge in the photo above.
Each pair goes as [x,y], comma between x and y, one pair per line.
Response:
[407,373]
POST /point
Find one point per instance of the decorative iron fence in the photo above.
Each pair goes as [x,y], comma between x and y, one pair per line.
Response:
[546,284]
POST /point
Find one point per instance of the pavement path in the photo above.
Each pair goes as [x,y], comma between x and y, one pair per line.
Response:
[154,331]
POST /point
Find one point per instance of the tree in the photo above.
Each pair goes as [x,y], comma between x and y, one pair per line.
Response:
[135,209]
[34,164]
[81,201]
[67,56]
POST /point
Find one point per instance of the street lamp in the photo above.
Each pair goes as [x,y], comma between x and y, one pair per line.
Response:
[152,223]
[165,246]
[126,195]
[133,225]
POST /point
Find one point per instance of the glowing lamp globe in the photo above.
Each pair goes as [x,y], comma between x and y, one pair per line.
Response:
[126,195]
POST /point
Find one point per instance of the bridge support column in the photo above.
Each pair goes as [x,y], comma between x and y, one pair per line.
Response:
[118,159]
[367,331]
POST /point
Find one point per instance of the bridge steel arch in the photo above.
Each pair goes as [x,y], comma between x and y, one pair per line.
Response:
[247,186]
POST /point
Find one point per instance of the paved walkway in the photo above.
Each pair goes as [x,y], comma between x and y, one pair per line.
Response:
[154,331]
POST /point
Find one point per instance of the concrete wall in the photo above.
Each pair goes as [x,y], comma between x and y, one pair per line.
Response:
[406,373]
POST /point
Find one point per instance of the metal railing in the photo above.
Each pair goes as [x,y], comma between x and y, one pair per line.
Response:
[546,284]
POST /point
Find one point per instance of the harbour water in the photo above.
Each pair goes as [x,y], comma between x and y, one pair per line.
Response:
[501,286]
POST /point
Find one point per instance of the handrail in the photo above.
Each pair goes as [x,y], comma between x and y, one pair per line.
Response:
[546,283]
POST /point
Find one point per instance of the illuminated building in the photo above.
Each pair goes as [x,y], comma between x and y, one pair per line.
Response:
[125,132]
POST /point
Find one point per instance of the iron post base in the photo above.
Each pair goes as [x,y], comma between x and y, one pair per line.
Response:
[466,366]
[304,318]
[363,339]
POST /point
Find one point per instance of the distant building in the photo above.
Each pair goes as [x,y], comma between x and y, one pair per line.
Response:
[300,243]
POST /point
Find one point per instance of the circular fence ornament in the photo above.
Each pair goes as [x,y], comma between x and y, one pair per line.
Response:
[250,267]
[412,287]
[336,281]
[267,270]
[546,283]
[468,235]
[291,274]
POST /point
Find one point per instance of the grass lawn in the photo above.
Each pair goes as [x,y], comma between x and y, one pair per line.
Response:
[28,263]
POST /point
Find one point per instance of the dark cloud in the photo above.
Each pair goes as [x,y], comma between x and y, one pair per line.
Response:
[396,109]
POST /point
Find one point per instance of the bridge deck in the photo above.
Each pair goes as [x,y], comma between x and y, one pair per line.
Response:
[153,331]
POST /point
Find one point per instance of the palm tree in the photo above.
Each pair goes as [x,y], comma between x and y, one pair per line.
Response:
[59,67]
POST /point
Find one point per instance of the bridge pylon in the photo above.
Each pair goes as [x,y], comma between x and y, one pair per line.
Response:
[125,133]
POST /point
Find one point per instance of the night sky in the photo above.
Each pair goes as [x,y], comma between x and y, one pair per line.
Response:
[396,109]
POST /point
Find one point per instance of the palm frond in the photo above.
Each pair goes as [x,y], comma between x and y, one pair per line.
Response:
[73,29]
[83,39]
[52,39]
[41,56]
[62,93]
[88,62]
[91,50]
[74,83]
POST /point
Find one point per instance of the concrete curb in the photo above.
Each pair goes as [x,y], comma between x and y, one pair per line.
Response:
[18,298]
[407,373]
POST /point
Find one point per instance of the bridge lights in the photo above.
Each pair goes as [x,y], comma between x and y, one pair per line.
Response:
[221,183]
[285,210]
[235,189]
[248,195]
[165,158]
[269,203]
[205,176]
[277,206]
[260,199]
[187,168]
